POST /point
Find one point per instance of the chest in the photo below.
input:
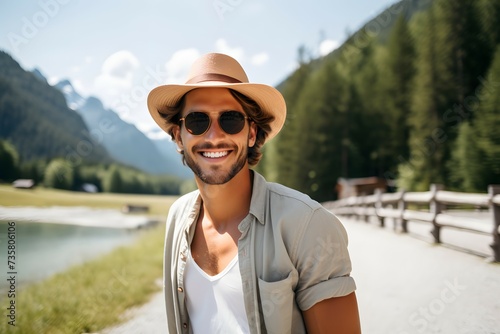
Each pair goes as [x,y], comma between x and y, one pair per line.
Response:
[213,250]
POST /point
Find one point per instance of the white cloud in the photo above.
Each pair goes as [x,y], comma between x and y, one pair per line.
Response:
[120,64]
[117,74]
[222,47]
[260,59]
[179,64]
[327,46]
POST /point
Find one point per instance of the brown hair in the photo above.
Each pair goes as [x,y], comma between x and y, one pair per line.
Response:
[251,108]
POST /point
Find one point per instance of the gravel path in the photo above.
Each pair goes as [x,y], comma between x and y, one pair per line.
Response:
[148,319]
[405,286]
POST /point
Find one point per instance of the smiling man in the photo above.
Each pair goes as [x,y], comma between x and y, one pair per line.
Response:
[243,255]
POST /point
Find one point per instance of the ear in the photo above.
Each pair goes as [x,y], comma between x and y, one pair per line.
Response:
[176,132]
[252,134]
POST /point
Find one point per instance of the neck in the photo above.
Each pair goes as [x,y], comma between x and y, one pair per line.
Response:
[228,203]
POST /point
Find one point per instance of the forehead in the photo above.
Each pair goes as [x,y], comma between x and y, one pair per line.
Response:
[211,99]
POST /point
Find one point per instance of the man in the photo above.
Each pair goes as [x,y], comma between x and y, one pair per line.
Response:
[243,255]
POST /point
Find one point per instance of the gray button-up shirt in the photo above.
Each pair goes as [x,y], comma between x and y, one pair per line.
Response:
[292,254]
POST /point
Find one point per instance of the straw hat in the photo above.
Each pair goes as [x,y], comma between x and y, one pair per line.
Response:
[219,70]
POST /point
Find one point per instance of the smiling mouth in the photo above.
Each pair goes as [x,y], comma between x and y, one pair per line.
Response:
[214,155]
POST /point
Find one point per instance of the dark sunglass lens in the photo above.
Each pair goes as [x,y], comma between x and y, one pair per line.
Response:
[197,123]
[232,122]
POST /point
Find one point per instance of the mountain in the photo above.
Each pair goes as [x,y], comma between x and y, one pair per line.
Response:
[36,72]
[123,140]
[35,118]
[74,100]
[168,150]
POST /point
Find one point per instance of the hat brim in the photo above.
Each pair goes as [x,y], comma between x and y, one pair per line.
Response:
[268,98]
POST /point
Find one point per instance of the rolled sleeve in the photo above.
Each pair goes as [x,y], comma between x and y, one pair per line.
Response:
[323,261]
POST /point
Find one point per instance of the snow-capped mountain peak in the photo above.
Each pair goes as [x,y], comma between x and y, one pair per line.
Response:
[73,99]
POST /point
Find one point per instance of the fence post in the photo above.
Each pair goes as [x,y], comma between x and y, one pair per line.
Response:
[364,206]
[357,208]
[435,207]
[495,215]
[402,207]
[378,205]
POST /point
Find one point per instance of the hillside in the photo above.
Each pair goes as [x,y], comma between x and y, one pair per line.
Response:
[404,99]
[34,117]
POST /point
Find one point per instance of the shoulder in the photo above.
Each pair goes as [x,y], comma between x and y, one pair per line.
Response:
[300,215]
[287,210]
[279,204]
[185,201]
[183,207]
[279,192]
[295,205]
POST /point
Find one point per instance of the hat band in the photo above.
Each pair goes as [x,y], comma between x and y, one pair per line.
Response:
[212,77]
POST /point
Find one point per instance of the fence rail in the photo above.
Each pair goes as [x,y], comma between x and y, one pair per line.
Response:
[435,202]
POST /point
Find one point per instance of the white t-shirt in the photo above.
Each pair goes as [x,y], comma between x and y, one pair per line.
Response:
[215,303]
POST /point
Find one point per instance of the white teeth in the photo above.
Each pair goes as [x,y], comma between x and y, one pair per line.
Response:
[215,154]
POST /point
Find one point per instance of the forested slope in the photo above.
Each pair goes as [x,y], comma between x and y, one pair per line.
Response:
[410,97]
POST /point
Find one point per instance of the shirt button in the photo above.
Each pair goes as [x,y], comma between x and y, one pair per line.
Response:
[180,289]
[184,325]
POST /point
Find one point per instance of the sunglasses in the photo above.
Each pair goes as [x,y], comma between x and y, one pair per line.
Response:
[231,122]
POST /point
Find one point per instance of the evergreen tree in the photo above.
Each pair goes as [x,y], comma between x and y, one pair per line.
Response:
[465,56]
[367,125]
[321,116]
[59,174]
[426,164]
[490,14]
[398,76]
[476,158]
[34,170]
[487,124]
[112,180]
[466,165]
[280,155]
[9,162]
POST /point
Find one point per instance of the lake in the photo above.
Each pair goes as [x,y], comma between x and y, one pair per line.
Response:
[43,249]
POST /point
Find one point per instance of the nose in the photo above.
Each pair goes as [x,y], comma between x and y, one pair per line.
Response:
[214,131]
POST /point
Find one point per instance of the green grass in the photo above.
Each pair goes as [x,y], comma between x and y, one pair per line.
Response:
[92,296]
[39,196]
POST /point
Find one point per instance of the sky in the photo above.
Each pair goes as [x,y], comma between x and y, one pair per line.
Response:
[118,51]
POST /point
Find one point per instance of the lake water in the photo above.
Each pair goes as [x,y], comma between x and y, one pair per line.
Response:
[44,249]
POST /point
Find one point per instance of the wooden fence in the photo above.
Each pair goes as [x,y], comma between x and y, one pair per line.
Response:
[431,206]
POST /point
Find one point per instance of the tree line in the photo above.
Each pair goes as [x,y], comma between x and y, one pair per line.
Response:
[60,173]
[416,103]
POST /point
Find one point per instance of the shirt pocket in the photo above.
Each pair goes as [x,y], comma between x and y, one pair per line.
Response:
[277,300]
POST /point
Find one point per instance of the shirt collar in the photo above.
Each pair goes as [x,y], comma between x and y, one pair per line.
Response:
[257,203]
[259,194]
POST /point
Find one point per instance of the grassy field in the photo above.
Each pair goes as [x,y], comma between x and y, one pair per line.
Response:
[92,296]
[51,197]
